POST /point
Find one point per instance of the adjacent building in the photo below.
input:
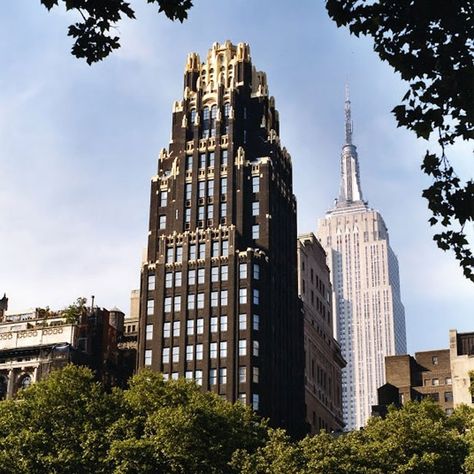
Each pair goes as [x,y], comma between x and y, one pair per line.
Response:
[369,315]
[323,359]
[461,350]
[428,374]
[34,342]
[218,300]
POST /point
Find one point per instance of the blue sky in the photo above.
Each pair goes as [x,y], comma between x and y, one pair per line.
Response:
[79,144]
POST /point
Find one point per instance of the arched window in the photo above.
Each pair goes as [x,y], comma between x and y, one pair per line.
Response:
[25,381]
[225,127]
[205,123]
[3,387]
[213,120]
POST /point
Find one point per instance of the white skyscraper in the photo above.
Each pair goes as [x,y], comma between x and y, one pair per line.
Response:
[369,315]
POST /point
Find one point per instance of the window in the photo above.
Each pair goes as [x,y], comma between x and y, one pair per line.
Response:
[224,297]
[167,329]
[191,277]
[178,278]
[199,326]
[223,185]
[211,158]
[256,271]
[176,328]
[242,347]
[256,296]
[242,271]
[190,327]
[201,213]
[435,382]
[202,250]
[222,376]
[256,322]
[150,307]
[243,398]
[188,191]
[191,301]
[434,359]
[200,274]
[212,376]
[175,354]
[199,351]
[242,374]
[179,254]
[200,301]
[255,184]
[168,280]
[148,356]
[169,255]
[242,322]
[166,377]
[213,350]
[193,116]
[162,222]
[215,274]
[192,252]
[163,198]
[210,188]
[149,332]
[223,323]
[189,352]
[166,355]
[198,377]
[215,249]
[213,121]
[177,303]
[255,348]
[202,160]
[201,189]
[214,299]
[151,282]
[225,248]
[243,295]
[256,374]
[188,374]
[256,231]
[224,272]
[210,211]
[214,325]
[223,349]
[189,164]
[448,381]
[223,209]
[255,208]
[448,396]
[187,215]
[255,401]
[224,156]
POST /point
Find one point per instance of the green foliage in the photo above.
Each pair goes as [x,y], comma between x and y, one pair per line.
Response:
[429,42]
[74,311]
[93,39]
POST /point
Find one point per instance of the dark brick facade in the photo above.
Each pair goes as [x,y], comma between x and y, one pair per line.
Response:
[218,301]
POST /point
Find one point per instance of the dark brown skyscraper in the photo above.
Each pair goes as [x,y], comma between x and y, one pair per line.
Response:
[219,288]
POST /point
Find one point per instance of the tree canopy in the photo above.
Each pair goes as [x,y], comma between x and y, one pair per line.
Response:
[430,43]
[68,424]
[92,35]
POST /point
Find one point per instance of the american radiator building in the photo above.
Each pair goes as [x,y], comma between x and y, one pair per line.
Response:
[370,317]
[218,300]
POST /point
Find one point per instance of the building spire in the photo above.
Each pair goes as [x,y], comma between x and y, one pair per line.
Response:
[348,121]
[350,193]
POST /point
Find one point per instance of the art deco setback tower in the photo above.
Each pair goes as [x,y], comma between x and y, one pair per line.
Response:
[370,318]
[219,288]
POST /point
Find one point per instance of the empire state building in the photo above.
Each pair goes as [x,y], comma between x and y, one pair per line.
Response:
[369,314]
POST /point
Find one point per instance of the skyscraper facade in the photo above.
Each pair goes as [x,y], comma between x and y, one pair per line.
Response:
[370,317]
[218,299]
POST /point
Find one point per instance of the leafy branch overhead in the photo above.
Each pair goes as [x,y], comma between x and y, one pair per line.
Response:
[93,38]
[431,44]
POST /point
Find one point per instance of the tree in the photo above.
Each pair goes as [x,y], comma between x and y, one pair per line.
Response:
[68,423]
[92,35]
[75,311]
[429,42]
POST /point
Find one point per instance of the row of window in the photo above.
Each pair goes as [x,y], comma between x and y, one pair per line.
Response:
[217,323]
[206,159]
[197,251]
[447,381]
[196,352]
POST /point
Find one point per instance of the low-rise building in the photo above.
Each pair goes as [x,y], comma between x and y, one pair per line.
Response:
[36,341]
[461,348]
